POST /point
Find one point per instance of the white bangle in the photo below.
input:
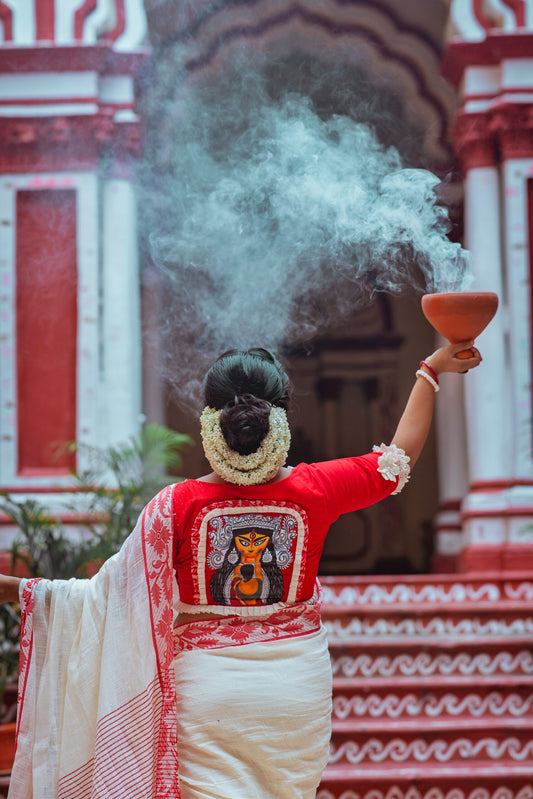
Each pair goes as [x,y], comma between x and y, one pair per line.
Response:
[421,373]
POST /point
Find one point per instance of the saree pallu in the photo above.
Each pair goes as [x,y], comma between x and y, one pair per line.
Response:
[98,712]
[254,707]
[97,698]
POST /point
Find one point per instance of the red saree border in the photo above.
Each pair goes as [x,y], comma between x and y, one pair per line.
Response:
[220,632]
[157,540]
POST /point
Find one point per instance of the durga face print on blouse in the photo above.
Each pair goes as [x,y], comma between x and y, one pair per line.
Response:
[249,546]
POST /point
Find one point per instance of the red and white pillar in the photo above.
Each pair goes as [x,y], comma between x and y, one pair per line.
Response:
[493,137]
[69,299]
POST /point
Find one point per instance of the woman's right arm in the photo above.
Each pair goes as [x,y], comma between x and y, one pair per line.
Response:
[9,588]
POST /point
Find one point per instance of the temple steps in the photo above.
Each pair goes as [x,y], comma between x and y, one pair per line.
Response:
[442,703]
[472,781]
[432,687]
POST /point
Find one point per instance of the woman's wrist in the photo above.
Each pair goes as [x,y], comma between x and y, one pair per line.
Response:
[426,366]
[428,378]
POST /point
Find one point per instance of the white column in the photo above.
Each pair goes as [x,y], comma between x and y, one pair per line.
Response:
[121,313]
[487,388]
[452,467]
[517,172]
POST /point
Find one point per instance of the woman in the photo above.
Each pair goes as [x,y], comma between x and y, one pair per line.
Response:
[226,666]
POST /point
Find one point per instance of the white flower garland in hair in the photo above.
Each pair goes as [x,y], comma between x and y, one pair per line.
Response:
[258,467]
[393,463]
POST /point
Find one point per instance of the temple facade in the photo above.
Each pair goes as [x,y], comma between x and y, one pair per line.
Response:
[432,671]
[76,292]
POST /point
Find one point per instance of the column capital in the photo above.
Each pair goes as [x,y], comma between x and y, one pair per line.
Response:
[474,141]
[62,143]
[512,124]
[489,137]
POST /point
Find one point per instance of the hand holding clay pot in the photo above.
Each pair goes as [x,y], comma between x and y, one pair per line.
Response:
[460,316]
[459,357]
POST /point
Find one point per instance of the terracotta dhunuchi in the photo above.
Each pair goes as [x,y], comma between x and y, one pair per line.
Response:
[460,315]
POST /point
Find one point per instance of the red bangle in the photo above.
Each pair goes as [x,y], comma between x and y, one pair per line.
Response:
[430,370]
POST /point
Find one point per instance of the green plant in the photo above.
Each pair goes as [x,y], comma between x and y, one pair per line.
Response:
[123,479]
[42,543]
[113,488]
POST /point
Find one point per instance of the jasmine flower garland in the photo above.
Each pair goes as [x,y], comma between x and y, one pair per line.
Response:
[258,467]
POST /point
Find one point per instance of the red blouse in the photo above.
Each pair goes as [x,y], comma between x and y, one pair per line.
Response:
[246,546]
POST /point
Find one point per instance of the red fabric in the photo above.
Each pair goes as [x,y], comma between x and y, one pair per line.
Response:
[314,494]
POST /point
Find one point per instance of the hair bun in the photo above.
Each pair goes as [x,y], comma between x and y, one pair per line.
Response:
[245,421]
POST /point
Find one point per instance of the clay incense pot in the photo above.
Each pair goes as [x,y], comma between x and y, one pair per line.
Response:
[460,315]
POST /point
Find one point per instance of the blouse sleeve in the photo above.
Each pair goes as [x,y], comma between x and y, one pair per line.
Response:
[349,484]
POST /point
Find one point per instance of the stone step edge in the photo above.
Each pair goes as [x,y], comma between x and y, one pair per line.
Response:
[391,773]
[499,789]
[364,642]
[471,578]
[494,682]
[425,609]
[385,726]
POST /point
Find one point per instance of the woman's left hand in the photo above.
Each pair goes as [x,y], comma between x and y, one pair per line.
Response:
[445,358]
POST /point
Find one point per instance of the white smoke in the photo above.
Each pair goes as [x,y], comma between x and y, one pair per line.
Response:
[267,220]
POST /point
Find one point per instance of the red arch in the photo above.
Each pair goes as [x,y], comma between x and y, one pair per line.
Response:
[486,22]
[81,15]
[334,28]
[6,15]
[518,7]
[120,27]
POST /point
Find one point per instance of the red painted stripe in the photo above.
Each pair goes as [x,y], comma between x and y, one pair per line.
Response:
[81,15]
[6,16]
[45,20]
[485,22]
[36,101]
[70,58]
[518,7]
[439,528]
[504,513]
[49,489]
[498,485]
[450,505]
[46,328]
[490,51]
[120,27]
[47,100]
[64,518]
[493,95]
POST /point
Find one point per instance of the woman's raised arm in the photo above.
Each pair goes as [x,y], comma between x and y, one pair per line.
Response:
[414,425]
[9,588]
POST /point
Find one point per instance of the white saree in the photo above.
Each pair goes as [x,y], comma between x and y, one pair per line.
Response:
[99,715]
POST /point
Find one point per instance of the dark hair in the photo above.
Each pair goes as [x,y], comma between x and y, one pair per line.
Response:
[243,384]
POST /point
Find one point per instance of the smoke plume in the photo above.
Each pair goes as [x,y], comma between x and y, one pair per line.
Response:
[269,217]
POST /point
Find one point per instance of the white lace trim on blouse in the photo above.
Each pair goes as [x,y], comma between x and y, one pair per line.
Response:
[393,464]
[246,611]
